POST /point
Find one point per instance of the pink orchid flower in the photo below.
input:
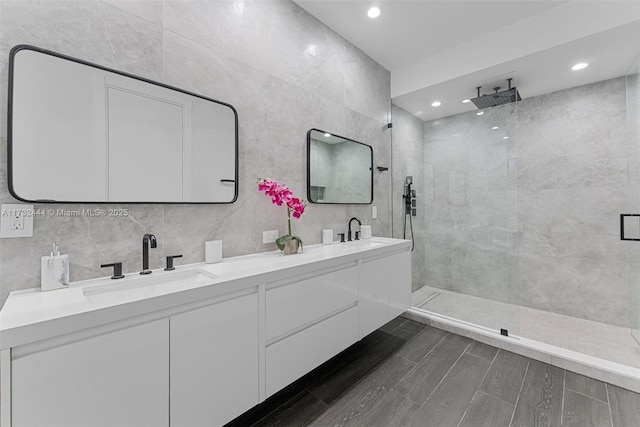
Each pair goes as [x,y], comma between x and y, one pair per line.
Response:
[281,194]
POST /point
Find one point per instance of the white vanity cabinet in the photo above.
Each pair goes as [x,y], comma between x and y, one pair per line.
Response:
[399,284]
[307,322]
[199,353]
[214,362]
[118,378]
[384,290]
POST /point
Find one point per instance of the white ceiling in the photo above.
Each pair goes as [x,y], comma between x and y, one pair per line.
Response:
[442,49]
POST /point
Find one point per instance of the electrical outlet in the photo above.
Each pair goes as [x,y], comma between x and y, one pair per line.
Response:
[374,212]
[269,236]
[16,220]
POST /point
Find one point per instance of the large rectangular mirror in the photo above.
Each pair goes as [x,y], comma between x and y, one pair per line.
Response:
[80,132]
[339,169]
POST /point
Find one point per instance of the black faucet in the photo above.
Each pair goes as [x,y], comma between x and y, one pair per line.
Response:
[349,232]
[147,240]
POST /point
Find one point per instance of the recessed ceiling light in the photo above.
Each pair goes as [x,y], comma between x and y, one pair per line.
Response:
[580,66]
[466,101]
[436,103]
[495,127]
[327,135]
[479,113]
[505,137]
[374,12]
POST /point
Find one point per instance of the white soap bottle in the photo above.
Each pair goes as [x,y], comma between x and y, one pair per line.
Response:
[54,273]
[365,230]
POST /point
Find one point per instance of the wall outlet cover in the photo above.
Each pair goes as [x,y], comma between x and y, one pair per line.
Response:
[16,220]
[270,236]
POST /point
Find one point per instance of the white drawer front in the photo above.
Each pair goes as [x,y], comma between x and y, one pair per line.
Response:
[302,303]
[291,358]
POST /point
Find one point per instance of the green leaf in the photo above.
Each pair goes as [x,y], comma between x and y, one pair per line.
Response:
[282,240]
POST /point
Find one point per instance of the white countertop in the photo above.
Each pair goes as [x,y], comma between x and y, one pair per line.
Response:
[31,315]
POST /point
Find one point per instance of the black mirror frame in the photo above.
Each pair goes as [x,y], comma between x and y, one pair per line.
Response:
[309,169]
[20,47]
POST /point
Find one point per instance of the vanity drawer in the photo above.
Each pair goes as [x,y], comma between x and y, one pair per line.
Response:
[302,303]
[291,358]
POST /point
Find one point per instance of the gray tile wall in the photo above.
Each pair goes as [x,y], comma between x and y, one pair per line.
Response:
[534,220]
[283,70]
[575,178]
[408,160]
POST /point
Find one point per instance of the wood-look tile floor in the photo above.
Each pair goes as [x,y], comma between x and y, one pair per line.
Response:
[409,374]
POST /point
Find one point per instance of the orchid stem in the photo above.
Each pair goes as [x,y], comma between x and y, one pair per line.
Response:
[289,220]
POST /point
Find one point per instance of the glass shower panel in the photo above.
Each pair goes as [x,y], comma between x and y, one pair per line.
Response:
[632,80]
[464,170]
[578,170]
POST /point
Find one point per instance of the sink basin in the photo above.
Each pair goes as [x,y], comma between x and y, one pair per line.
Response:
[163,279]
[366,242]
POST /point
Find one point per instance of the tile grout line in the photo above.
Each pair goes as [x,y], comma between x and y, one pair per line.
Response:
[564,387]
[405,321]
[584,395]
[328,405]
[445,375]
[416,364]
[364,377]
[498,399]
[280,406]
[479,385]
[606,389]
[319,414]
[524,377]
[434,347]
[407,341]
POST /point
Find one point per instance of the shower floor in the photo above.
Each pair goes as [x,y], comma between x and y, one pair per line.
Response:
[612,343]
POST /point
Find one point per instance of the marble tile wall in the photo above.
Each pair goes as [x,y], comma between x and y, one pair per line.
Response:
[408,155]
[575,178]
[284,72]
[534,219]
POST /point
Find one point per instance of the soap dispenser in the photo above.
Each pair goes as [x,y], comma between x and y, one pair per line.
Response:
[55,270]
[365,230]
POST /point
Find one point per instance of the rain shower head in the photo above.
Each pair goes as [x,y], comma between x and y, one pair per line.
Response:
[497,98]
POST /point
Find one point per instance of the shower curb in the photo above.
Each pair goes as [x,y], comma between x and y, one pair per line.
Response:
[613,373]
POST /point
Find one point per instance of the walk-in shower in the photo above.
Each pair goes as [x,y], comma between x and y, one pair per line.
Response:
[517,233]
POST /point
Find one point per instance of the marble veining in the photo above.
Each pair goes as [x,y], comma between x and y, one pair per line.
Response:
[408,147]
[283,70]
[534,219]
